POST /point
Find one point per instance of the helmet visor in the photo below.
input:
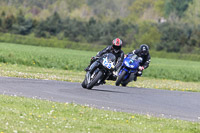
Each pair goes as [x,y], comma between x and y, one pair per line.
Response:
[116,47]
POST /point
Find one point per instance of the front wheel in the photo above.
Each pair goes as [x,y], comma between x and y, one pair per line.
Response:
[124,84]
[120,78]
[95,80]
[84,84]
[131,78]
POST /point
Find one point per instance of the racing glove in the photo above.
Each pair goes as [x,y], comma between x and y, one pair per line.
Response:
[94,58]
[141,68]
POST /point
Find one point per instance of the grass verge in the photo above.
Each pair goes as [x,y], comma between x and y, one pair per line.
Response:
[78,76]
[77,60]
[19,114]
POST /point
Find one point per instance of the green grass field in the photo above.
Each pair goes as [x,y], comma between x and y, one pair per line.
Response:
[77,60]
[20,114]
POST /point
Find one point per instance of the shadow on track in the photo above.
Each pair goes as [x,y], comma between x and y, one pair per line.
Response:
[108,91]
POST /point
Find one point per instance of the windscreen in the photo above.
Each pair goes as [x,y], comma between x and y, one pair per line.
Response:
[110,57]
[133,56]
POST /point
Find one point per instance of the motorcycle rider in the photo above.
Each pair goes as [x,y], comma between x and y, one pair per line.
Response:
[115,49]
[142,52]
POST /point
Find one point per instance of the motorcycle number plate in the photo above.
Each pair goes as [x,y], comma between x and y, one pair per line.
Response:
[107,64]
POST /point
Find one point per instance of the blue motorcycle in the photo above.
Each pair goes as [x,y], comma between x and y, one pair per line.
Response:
[128,69]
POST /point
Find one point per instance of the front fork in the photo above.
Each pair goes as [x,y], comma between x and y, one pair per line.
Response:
[129,71]
[92,70]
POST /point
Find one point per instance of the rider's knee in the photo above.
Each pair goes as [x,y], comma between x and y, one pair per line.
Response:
[139,73]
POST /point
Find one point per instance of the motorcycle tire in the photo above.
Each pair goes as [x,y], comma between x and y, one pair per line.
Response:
[120,78]
[131,78]
[124,84]
[95,80]
[84,84]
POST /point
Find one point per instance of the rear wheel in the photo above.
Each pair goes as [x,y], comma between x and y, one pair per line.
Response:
[120,78]
[94,80]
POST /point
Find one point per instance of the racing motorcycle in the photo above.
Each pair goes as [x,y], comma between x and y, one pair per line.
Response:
[128,69]
[99,71]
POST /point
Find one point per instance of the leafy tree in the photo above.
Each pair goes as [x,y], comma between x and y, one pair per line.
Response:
[73,29]
[159,6]
[74,4]
[192,15]
[194,37]
[8,23]
[174,37]
[93,30]
[109,10]
[147,34]
[22,26]
[3,14]
[176,6]
[51,25]
[141,7]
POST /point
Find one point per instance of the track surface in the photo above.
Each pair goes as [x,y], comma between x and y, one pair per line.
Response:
[161,103]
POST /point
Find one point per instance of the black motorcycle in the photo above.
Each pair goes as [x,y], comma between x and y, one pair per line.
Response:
[99,71]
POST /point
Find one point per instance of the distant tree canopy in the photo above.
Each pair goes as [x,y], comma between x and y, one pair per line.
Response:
[99,22]
[75,30]
[178,7]
[99,9]
[192,14]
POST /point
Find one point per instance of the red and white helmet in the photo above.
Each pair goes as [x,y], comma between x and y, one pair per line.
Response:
[117,44]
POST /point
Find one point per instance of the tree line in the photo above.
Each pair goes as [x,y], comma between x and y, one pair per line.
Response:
[136,24]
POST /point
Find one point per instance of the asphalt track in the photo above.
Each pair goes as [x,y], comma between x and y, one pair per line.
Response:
[160,103]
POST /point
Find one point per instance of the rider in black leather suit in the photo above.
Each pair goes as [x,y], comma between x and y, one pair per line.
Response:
[115,48]
[143,52]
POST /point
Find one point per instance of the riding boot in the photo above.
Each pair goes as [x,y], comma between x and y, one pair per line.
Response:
[139,73]
[135,78]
